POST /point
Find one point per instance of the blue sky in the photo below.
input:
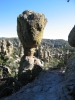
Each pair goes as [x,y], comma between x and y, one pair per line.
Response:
[60,15]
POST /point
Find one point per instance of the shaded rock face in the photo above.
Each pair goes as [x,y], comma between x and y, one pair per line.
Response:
[71,37]
[70,68]
[69,87]
[30,26]
[70,71]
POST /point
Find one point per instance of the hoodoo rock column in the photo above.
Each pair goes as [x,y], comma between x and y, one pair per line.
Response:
[30,27]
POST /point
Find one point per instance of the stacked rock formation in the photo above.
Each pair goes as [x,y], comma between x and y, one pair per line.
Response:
[3,46]
[6,47]
[21,51]
[43,53]
[9,47]
[30,27]
[40,52]
[0,46]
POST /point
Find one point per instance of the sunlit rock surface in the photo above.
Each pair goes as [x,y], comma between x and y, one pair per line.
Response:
[30,27]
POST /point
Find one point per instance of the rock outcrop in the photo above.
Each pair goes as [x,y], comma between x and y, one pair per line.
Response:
[3,47]
[9,48]
[30,27]
[71,37]
[70,71]
[6,47]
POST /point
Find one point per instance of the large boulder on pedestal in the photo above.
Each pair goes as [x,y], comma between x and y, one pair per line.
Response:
[30,27]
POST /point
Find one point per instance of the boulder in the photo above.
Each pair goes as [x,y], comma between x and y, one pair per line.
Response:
[30,27]
[71,37]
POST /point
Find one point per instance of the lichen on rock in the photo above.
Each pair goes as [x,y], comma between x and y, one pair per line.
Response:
[30,27]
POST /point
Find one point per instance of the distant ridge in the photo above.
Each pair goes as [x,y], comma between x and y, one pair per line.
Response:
[7,37]
[47,42]
[2,37]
